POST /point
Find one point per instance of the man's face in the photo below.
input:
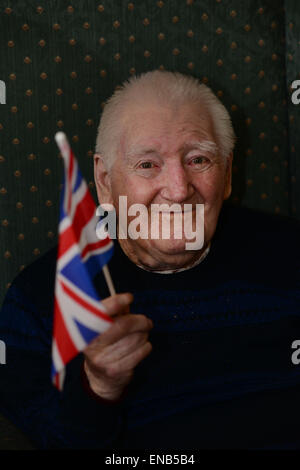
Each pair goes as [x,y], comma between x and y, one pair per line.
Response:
[168,157]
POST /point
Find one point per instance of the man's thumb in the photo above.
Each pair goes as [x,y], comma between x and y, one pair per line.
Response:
[118,304]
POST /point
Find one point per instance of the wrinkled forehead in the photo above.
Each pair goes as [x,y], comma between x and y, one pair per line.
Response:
[157,125]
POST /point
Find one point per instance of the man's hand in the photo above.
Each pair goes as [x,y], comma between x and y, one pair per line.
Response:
[110,358]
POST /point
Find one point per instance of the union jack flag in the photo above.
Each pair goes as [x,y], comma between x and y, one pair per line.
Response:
[79,315]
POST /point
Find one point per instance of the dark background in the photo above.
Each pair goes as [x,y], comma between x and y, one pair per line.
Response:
[61,60]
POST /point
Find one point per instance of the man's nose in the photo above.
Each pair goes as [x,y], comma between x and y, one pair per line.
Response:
[176,186]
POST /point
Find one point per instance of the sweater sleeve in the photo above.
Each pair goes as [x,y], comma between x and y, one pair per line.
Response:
[49,418]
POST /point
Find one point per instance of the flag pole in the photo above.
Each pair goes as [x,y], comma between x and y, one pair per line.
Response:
[64,147]
[108,279]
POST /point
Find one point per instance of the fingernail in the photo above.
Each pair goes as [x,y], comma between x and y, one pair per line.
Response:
[125,299]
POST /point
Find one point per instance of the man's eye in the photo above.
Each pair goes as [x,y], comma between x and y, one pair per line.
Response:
[201,162]
[146,165]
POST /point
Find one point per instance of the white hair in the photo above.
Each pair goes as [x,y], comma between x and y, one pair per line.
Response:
[171,89]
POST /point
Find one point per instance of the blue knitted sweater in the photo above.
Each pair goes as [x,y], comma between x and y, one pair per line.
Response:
[220,373]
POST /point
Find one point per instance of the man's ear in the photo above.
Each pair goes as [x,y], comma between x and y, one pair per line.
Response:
[102,180]
[228,176]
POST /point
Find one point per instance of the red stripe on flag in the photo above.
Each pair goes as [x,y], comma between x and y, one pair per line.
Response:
[66,240]
[99,313]
[95,246]
[65,345]
[85,210]
[56,381]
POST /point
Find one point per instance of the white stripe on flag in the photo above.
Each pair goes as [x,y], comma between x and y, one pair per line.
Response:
[88,235]
[87,318]
[65,259]
[98,251]
[57,360]
[68,307]
[72,310]
[76,199]
[64,224]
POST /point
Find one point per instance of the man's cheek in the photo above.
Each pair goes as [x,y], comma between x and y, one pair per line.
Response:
[213,191]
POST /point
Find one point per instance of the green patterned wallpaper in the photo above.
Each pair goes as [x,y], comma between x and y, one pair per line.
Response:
[61,59]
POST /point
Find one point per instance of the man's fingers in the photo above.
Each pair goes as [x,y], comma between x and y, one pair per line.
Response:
[124,326]
[116,351]
[118,304]
[129,362]
[121,327]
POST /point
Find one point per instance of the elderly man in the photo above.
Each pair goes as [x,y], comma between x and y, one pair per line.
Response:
[164,149]
[199,354]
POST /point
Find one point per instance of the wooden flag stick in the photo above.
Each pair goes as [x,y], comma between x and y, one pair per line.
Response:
[108,280]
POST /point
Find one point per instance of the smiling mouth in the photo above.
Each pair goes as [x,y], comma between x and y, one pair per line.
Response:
[172,211]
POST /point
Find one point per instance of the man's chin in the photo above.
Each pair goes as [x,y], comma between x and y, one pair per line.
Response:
[171,247]
[160,255]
